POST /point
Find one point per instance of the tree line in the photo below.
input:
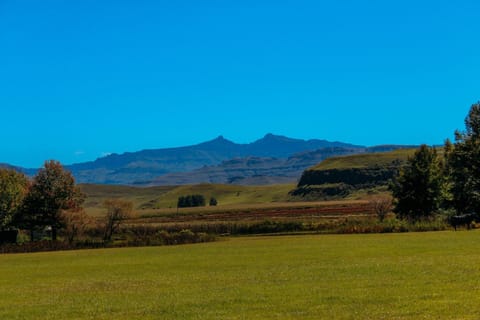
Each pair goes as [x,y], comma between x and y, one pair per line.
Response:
[194,200]
[448,180]
[52,201]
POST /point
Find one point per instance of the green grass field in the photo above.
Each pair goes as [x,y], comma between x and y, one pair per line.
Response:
[394,276]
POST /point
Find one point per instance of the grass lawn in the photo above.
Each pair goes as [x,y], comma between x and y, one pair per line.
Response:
[392,276]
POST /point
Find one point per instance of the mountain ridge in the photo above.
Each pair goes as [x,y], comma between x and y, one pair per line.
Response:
[145,165]
[270,159]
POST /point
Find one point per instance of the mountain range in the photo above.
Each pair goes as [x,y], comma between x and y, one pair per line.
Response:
[271,159]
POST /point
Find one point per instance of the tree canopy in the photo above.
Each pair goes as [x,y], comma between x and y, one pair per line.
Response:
[53,190]
[464,165]
[13,188]
[418,187]
[192,200]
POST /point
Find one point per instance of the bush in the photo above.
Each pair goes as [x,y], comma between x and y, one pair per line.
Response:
[8,236]
[390,225]
[183,237]
[213,202]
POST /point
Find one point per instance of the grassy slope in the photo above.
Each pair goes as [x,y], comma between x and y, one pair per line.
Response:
[364,160]
[395,276]
[97,194]
[166,197]
[229,194]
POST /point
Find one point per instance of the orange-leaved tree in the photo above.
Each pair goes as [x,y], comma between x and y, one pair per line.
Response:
[52,191]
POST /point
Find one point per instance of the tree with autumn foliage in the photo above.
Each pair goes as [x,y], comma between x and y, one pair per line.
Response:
[75,224]
[52,192]
[118,211]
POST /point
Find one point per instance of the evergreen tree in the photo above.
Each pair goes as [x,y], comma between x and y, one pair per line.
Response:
[192,200]
[213,201]
[418,187]
[464,165]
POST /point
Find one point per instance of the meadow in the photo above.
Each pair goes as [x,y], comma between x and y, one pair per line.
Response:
[389,276]
[164,199]
[239,207]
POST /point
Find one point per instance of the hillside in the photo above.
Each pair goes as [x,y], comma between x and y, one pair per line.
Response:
[28,172]
[339,176]
[166,196]
[366,160]
[254,170]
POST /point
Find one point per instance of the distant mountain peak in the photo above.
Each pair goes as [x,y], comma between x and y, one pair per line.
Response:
[271,136]
[274,136]
[218,140]
[144,165]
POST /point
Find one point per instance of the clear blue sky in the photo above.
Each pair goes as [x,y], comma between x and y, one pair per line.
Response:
[82,78]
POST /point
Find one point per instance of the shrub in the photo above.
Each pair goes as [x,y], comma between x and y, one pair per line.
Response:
[213,201]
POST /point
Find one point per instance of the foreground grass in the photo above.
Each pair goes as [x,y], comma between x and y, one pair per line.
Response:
[394,276]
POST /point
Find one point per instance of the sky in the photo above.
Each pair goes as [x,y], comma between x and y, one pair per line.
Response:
[82,79]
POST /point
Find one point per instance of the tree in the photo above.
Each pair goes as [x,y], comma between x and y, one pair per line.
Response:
[193,200]
[13,188]
[417,189]
[75,224]
[117,212]
[464,165]
[52,191]
[213,202]
[381,205]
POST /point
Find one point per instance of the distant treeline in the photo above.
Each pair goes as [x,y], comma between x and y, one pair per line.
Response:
[192,200]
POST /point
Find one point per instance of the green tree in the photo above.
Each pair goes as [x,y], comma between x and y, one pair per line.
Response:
[192,200]
[417,189]
[13,188]
[464,165]
[53,191]
[213,202]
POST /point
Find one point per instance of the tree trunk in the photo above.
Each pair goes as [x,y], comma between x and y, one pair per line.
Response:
[54,233]
[31,235]
[108,231]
